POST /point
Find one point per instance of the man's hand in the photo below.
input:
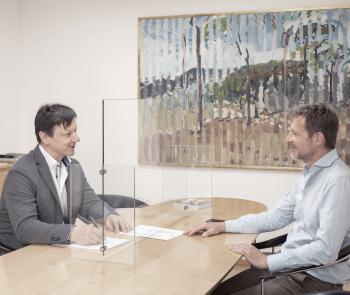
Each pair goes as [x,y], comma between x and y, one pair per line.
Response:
[207,229]
[252,254]
[117,223]
[86,235]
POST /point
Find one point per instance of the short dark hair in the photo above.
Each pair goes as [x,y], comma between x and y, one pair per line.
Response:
[51,115]
[320,118]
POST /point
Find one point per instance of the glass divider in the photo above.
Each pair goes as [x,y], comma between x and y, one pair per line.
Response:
[106,206]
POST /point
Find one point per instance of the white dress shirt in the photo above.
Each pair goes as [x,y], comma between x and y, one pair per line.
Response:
[319,207]
[59,175]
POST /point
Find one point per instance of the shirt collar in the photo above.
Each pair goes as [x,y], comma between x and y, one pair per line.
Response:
[51,162]
[326,161]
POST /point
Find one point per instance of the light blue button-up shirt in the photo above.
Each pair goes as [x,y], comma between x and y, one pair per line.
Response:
[319,206]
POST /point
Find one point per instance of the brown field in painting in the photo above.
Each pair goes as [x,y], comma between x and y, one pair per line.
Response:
[224,143]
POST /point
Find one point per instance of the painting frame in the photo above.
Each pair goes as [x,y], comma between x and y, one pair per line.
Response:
[160,148]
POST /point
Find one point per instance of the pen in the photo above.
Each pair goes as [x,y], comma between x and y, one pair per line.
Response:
[93,221]
[103,248]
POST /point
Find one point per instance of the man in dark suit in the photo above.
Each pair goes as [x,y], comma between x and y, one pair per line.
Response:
[46,190]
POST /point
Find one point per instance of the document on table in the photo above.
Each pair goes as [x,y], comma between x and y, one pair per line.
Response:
[109,244]
[153,232]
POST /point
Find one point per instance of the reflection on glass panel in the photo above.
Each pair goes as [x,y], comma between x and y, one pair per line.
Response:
[187,189]
[160,186]
[98,215]
[120,132]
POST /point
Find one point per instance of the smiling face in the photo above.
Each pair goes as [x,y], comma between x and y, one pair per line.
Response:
[302,145]
[62,142]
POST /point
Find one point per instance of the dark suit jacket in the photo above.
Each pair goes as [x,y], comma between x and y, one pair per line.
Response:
[30,210]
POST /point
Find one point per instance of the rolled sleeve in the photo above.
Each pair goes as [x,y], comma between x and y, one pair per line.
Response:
[277,218]
[245,224]
[275,262]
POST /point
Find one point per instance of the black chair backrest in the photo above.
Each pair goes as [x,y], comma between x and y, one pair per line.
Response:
[118,201]
[274,242]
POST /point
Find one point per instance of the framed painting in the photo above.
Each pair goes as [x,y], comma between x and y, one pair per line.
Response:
[225,84]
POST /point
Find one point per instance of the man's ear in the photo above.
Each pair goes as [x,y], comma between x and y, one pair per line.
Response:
[44,137]
[319,139]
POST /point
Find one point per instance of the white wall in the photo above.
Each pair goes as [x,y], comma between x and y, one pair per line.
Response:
[9,75]
[78,52]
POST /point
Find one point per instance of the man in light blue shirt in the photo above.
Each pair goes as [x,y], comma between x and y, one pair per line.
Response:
[318,205]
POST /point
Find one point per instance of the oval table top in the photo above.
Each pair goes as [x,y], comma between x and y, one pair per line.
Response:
[182,265]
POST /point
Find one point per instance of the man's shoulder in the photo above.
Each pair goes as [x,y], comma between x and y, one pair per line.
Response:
[338,169]
[25,160]
[74,161]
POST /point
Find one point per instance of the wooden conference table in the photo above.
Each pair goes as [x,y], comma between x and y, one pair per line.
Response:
[183,265]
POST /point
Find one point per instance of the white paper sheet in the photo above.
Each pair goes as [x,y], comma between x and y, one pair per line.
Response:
[109,244]
[153,232]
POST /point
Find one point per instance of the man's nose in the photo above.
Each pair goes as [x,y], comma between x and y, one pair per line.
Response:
[76,137]
[288,138]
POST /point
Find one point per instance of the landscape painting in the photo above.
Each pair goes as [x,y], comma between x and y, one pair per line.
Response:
[218,90]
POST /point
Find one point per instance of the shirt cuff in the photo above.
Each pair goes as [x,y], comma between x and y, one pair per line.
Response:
[232,226]
[275,262]
[70,233]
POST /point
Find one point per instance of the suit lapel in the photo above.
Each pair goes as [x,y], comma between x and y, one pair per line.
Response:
[45,173]
[74,190]
[68,218]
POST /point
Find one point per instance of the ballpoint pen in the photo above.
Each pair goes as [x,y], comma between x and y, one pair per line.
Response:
[103,248]
[93,221]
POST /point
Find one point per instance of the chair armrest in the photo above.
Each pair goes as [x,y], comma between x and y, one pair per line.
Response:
[287,272]
[214,220]
[344,254]
[271,243]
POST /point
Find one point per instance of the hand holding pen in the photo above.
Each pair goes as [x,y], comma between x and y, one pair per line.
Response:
[103,247]
[87,234]
[93,221]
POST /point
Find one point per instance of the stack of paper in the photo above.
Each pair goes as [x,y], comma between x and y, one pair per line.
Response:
[153,232]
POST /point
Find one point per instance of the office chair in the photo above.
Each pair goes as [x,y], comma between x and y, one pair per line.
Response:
[118,201]
[113,202]
[328,293]
[344,254]
[271,243]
